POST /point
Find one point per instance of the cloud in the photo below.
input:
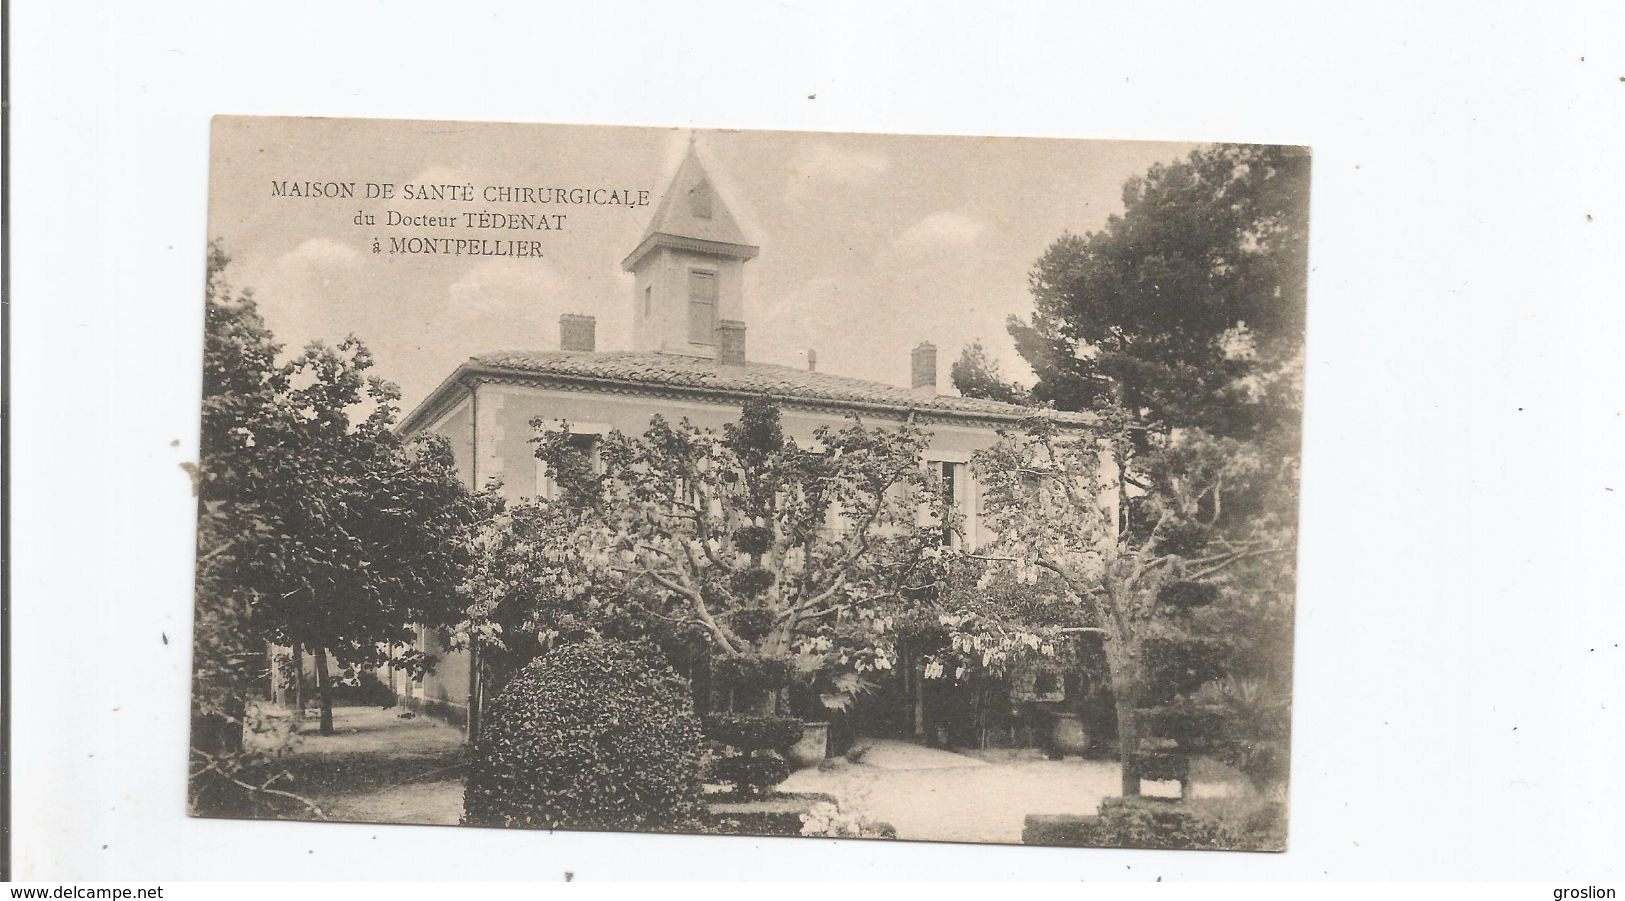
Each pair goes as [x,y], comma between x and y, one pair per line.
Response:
[513,288]
[516,304]
[942,229]
[317,252]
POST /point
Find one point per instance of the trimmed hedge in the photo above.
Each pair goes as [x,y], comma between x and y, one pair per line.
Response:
[753,733]
[750,673]
[748,583]
[596,735]
[1192,725]
[1161,765]
[753,539]
[1176,666]
[750,773]
[752,623]
[774,823]
[1135,823]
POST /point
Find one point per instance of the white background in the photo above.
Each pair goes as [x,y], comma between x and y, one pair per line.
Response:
[1461,682]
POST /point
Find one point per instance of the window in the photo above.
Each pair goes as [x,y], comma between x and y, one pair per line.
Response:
[648,301]
[699,201]
[702,307]
[953,489]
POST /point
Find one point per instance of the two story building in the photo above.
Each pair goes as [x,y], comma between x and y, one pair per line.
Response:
[688,359]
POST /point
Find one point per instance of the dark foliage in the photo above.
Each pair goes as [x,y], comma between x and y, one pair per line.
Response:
[751,673]
[1188,595]
[1136,823]
[753,539]
[1192,725]
[974,374]
[1163,765]
[753,733]
[596,735]
[752,774]
[752,623]
[750,583]
[1139,312]
[1181,665]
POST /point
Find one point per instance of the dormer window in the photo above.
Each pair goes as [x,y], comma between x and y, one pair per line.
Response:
[699,201]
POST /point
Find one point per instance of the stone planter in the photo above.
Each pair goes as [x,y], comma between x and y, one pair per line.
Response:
[1069,736]
[812,748]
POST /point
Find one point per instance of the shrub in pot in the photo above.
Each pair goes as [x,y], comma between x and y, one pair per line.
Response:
[595,735]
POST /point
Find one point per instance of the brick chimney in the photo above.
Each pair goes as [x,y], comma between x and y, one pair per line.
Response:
[812,361]
[731,342]
[925,368]
[577,332]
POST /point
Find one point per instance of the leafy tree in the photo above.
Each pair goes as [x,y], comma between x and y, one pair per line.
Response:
[320,528]
[1184,309]
[1181,322]
[528,592]
[371,533]
[785,558]
[242,393]
[975,374]
[748,536]
[1051,500]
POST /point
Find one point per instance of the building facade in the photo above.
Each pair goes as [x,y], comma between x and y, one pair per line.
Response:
[688,360]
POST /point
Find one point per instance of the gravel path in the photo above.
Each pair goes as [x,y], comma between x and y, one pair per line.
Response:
[950,797]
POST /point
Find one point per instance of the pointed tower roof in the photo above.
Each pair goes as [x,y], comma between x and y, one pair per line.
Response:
[692,216]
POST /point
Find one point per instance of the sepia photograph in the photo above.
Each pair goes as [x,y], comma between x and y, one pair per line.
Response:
[797,484]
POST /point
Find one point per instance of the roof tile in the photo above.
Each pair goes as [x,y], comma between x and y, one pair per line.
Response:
[655,370]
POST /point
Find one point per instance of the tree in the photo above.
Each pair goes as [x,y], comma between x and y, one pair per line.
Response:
[320,528]
[1181,322]
[527,592]
[243,390]
[975,374]
[749,536]
[1053,502]
[785,558]
[1179,307]
[370,533]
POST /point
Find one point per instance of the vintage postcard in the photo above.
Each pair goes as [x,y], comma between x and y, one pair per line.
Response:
[749,483]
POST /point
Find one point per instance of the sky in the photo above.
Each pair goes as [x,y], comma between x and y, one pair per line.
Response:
[870,244]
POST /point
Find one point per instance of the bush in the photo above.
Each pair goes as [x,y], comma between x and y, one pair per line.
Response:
[596,735]
[752,623]
[757,768]
[1160,765]
[366,691]
[770,823]
[752,673]
[1176,666]
[1192,725]
[753,539]
[748,583]
[753,733]
[750,774]
[1135,823]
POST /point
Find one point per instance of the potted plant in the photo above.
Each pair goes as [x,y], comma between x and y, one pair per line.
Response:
[822,690]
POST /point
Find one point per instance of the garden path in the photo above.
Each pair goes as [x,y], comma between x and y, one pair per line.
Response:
[932,795]
[379,767]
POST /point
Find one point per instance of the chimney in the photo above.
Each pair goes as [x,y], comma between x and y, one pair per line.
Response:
[577,332]
[925,368]
[812,361]
[731,342]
